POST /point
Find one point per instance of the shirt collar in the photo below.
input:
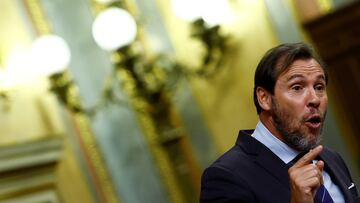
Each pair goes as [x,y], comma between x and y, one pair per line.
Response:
[282,150]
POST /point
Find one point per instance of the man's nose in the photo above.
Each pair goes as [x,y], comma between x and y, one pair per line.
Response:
[313,98]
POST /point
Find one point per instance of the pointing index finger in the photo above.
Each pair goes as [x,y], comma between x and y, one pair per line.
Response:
[308,157]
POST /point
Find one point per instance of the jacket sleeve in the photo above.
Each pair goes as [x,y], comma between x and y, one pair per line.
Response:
[220,185]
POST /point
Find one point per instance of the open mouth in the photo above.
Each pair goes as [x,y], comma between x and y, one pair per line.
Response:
[314,121]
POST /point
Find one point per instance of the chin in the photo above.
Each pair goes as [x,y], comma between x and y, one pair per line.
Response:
[314,141]
[303,141]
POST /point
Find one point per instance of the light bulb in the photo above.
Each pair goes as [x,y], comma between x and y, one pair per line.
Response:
[188,10]
[114,28]
[215,12]
[49,54]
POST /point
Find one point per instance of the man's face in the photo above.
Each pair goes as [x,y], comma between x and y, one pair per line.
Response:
[299,104]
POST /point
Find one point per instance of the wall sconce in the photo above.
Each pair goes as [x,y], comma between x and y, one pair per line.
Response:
[214,43]
[51,56]
[206,17]
[115,30]
[47,55]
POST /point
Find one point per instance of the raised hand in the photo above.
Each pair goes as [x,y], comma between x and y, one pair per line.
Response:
[306,177]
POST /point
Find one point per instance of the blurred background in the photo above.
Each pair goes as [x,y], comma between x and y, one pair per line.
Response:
[129,100]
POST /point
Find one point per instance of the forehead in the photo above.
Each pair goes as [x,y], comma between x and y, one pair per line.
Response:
[303,67]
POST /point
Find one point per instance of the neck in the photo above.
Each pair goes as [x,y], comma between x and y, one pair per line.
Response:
[268,122]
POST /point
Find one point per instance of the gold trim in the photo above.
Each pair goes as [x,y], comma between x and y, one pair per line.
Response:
[37,16]
[85,133]
[91,148]
[26,192]
[151,135]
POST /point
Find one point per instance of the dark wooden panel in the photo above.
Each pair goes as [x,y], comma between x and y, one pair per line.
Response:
[337,33]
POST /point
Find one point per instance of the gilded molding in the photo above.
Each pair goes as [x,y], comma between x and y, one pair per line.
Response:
[151,135]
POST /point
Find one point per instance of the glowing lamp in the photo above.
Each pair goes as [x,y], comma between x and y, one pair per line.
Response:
[188,10]
[49,54]
[114,28]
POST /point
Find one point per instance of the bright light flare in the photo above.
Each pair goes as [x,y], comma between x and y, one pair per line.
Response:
[114,28]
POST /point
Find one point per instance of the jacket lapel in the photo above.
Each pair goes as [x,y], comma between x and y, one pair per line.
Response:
[337,175]
[264,157]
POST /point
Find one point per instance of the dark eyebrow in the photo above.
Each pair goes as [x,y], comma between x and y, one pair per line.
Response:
[293,77]
[322,77]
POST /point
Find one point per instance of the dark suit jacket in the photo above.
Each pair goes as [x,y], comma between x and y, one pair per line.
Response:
[250,172]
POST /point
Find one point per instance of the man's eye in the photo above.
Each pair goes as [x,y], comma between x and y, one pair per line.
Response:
[319,87]
[296,87]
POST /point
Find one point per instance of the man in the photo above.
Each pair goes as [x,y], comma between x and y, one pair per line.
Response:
[267,164]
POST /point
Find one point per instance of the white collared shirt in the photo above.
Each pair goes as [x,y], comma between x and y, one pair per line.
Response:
[286,154]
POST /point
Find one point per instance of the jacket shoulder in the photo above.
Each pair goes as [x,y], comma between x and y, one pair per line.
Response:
[222,180]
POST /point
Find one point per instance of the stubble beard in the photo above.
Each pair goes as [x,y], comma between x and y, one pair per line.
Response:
[293,134]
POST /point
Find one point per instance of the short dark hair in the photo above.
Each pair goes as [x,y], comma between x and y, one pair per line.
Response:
[276,61]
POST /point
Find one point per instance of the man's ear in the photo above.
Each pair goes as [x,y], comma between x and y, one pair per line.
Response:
[264,98]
